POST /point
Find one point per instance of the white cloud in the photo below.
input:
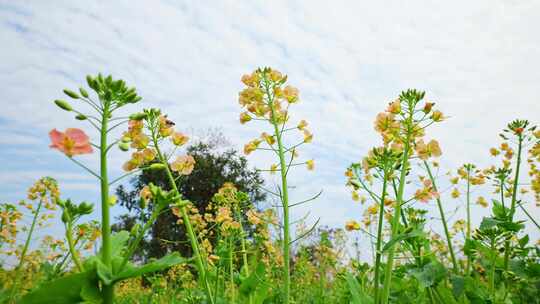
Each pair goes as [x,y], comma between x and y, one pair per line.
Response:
[479,61]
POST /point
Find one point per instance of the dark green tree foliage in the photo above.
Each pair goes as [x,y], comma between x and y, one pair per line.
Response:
[213,168]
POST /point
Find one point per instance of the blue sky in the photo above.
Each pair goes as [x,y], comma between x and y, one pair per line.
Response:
[479,61]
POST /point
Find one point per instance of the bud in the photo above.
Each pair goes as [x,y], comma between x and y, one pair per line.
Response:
[65,216]
[85,208]
[81,117]
[137,116]
[62,104]
[112,200]
[83,92]
[124,146]
[157,166]
[71,94]
[91,82]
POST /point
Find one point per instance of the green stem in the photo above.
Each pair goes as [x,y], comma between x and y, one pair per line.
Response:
[395,221]
[514,199]
[139,238]
[187,223]
[529,216]
[378,253]
[443,219]
[285,204]
[13,292]
[468,231]
[108,290]
[493,260]
[71,245]
[231,272]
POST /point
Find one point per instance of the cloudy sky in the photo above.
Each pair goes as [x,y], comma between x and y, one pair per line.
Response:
[478,60]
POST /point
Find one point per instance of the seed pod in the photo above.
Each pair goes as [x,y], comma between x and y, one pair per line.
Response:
[137,116]
[123,146]
[71,94]
[81,117]
[83,92]
[157,166]
[62,104]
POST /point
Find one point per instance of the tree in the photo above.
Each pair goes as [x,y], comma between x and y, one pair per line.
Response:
[213,168]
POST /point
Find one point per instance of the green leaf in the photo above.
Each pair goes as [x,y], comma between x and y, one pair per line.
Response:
[458,285]
[118,242]
[250,284]
[488,223]
[430,274]
[75,288]
[104,272]
[358,296]
[165,262]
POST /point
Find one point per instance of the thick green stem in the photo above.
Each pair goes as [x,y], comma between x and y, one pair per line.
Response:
[378,253]
[443,219]
[395,222]
[285,204]
[187,223]
[514,200]
[108,290]
[13,292]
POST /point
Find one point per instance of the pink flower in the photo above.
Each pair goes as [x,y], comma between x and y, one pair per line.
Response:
[72,142]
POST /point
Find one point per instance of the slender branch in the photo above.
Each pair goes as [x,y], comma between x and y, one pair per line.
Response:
[84,167]
[303,235]
[308,200]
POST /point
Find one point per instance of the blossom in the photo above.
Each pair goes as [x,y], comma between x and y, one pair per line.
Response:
[386,123]
[145,193]
[302,125]
[275,75]
[308,137]
[494,152]
[270,140]
[71,142]
[430,149]
[148,155]
[455,193]
[355,196]
[394,107]
[251,146]
[352,225]
[251,80]
[437,116]
[183,164]
[427,107]
[482,201]
[179,139]
[291,94]
[244,117]
[140,141]
[427,193]
[310,164]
